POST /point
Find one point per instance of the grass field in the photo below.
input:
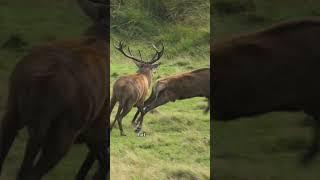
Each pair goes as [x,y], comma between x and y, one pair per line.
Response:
[177,138]
[36,22]
[177,141]
[269,146]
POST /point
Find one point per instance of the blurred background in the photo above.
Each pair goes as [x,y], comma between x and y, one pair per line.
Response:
[267,146]
[177,141]
[24,24]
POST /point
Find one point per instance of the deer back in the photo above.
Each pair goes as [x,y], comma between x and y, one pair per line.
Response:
[133,86]
[267,70]
[72,73]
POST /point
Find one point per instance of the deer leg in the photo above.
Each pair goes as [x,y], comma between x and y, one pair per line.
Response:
[117,117]
[57,144]
[208,107]
[32,149]
[112,104]
[125,111]
[140,110]
[134,122]
[86,165]
[140,120]
[103,170]
[9,129]
[314,148]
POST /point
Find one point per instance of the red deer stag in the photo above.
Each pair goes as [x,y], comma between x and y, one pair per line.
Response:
[131,90]
[60,93]
[274,69]
[177,87]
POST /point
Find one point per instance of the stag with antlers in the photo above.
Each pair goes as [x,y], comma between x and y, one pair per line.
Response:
[131,90]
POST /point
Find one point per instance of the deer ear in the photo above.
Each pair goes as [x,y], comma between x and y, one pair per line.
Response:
[154,66]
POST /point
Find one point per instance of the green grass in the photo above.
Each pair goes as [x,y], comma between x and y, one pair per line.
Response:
[187,33]
[177,138]
[36,22]
[177,141]
[268,146]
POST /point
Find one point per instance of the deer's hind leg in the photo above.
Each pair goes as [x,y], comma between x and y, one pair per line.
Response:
[31,151]
[315,146]
[9,130]
[117,117]
[9,126]
[140,119]
[134,122]
[55,146]
[126,108]
[86,165]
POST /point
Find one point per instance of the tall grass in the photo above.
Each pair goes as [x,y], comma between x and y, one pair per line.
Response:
[181,25]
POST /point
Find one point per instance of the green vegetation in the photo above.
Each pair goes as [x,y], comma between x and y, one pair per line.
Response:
[24,24]
[268,146]
[176,145]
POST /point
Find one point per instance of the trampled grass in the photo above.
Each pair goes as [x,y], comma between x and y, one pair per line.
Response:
[268,146]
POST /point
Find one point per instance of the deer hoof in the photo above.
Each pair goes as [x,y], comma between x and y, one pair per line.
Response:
[137,130]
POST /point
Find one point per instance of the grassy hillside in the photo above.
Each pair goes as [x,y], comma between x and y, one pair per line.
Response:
[24,24]
[176,145]
[268,146]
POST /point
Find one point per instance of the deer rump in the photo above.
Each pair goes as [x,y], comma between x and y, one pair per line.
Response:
[272,69]
[59,94]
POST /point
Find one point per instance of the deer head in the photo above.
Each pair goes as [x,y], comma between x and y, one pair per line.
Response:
[143,66]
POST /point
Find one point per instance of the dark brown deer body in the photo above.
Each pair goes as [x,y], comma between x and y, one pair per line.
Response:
[97,10]
[276,69]
[177,87]
[60,93]
[131,90]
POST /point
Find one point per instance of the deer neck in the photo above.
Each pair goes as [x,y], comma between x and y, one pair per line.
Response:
[148,75]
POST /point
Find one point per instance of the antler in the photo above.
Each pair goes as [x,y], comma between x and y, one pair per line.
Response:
[158,54]
[154,59]
[120,48]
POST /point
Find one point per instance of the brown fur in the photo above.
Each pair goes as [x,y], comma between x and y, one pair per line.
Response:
[131,90]
[60,93]
[178,87]
[269,70]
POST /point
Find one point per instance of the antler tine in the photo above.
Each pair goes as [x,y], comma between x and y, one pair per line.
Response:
[140,55]
[129,51]
[123,45]
[114,44]
[158,54]
[120,46]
